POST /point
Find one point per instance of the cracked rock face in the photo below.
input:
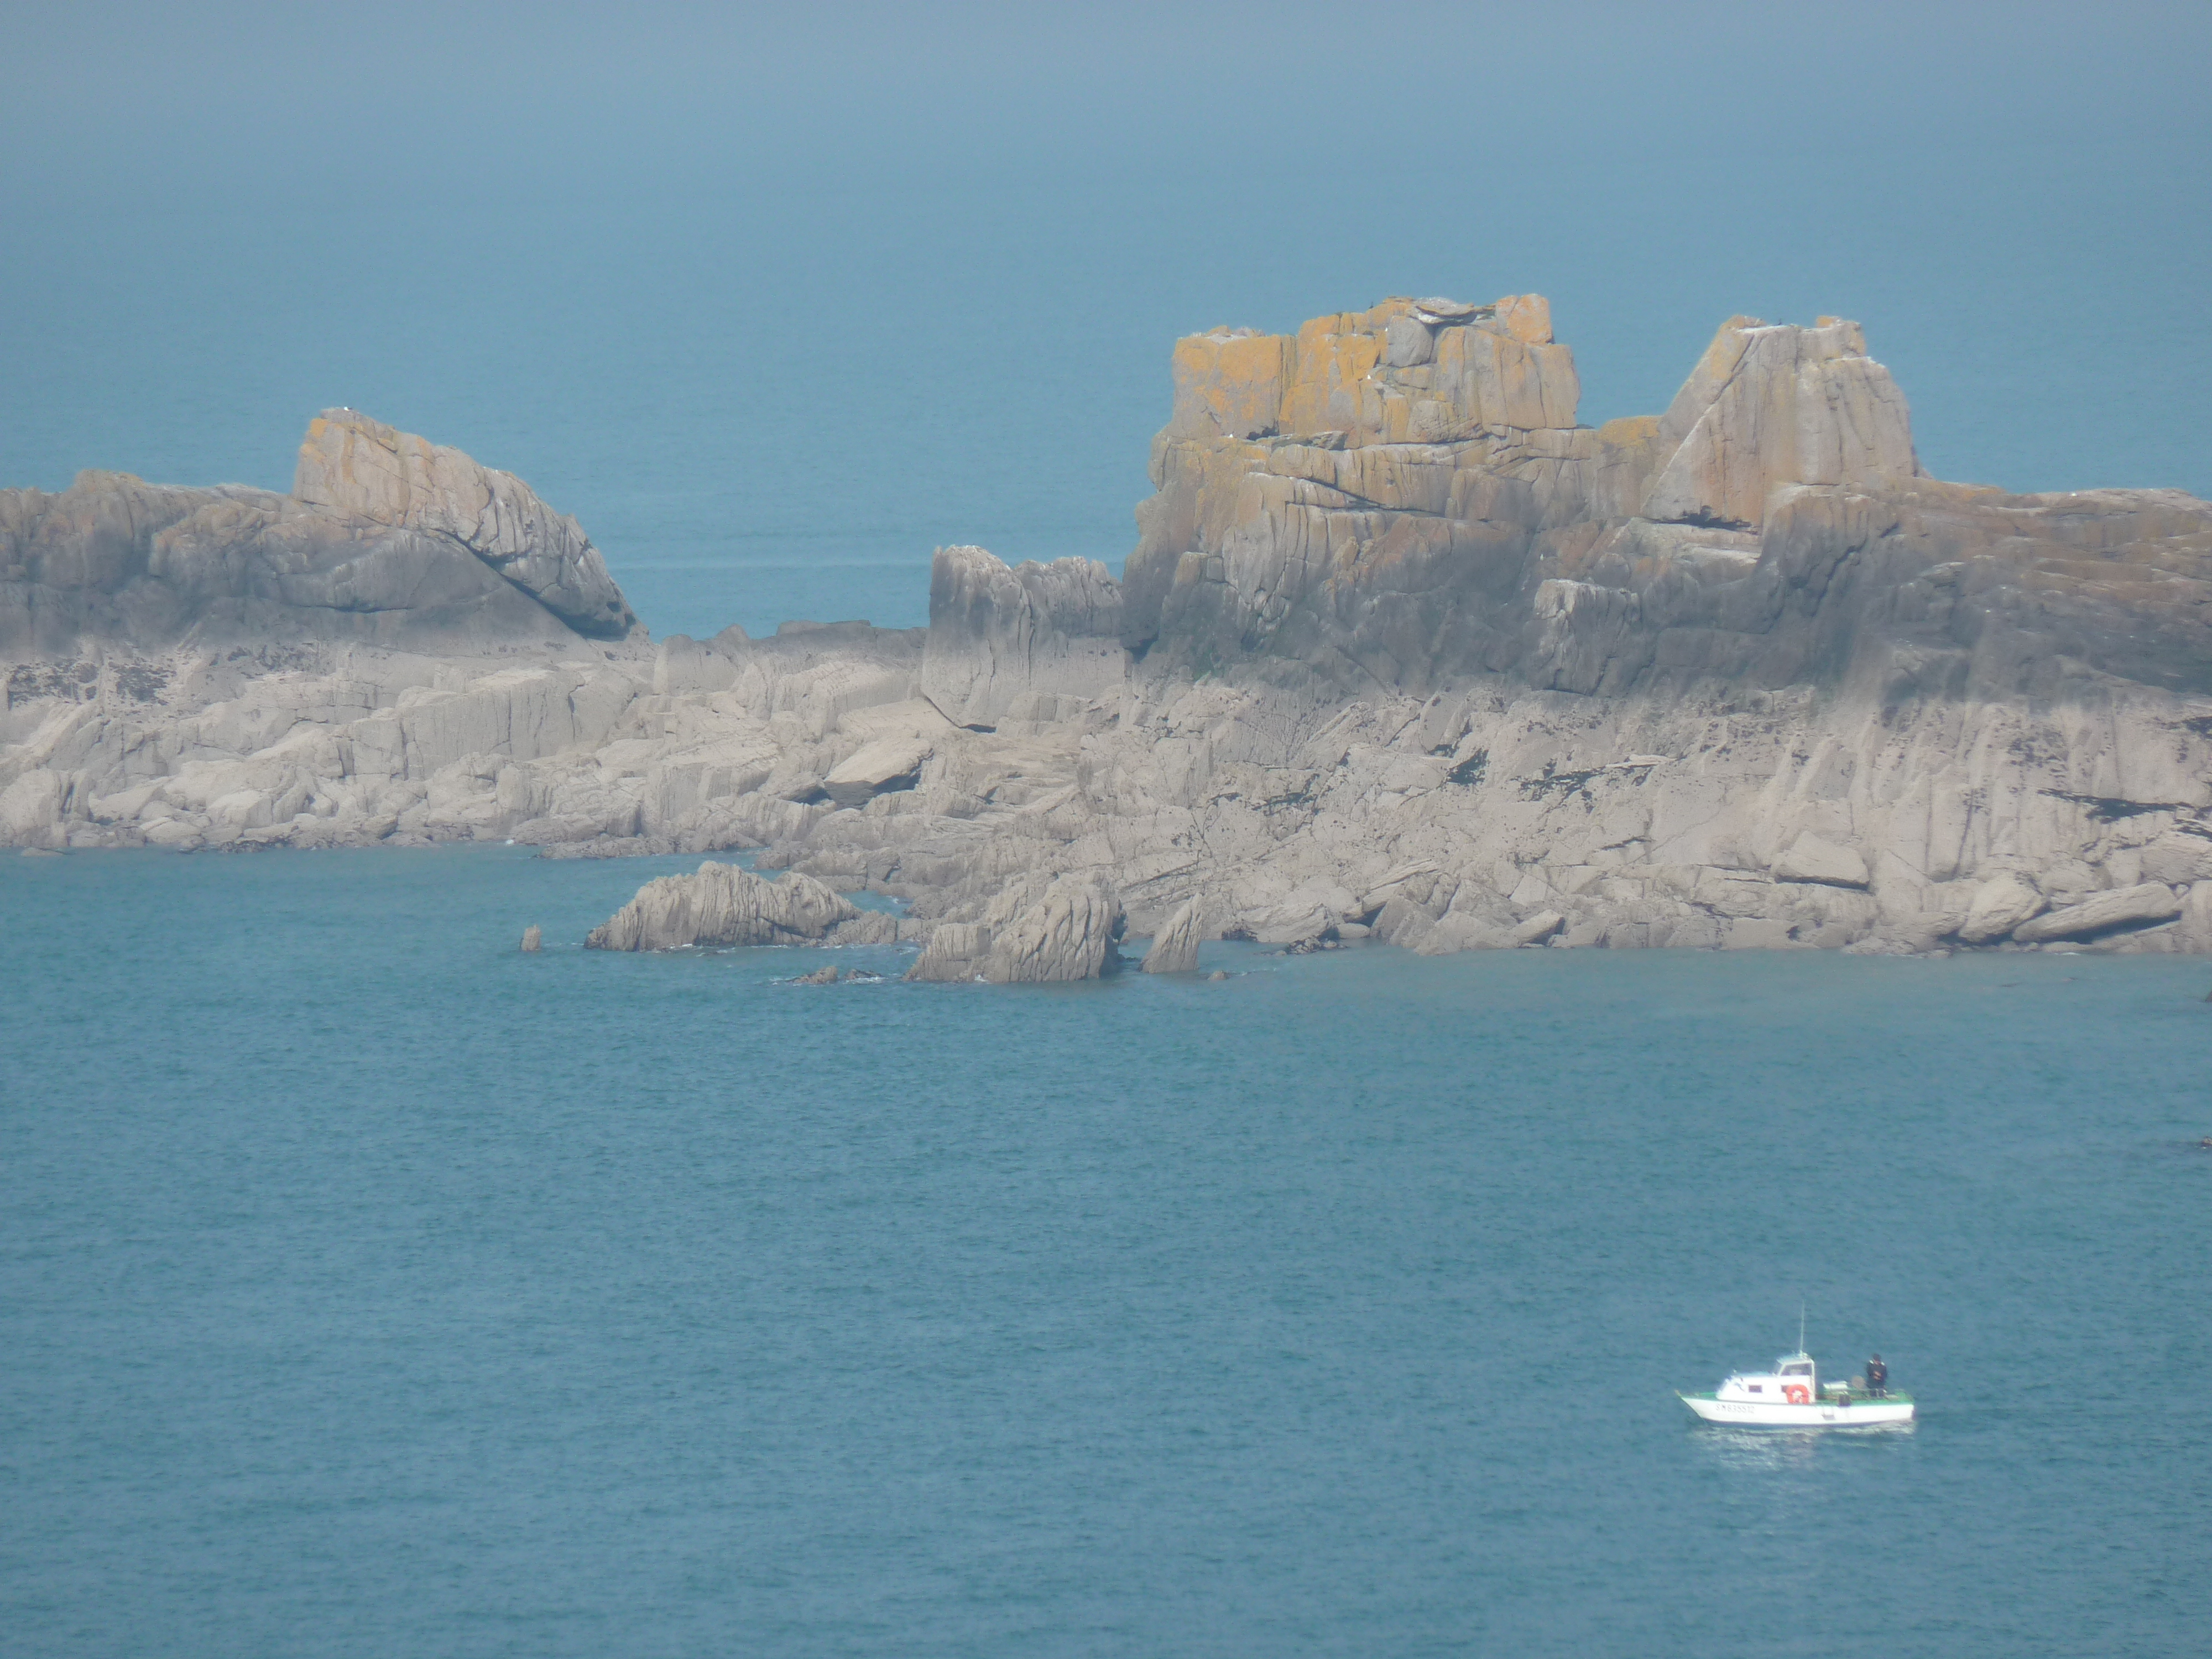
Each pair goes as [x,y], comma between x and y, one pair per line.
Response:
[386,539]
[1069,933]
[1175,947]
[1402,497]
[722,904]
[1012,644]
[1405,655]
[362,471]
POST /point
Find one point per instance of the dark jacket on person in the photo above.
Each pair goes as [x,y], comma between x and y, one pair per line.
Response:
[1877,1375]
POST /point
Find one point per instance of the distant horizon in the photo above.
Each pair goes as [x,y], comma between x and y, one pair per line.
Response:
[773,306]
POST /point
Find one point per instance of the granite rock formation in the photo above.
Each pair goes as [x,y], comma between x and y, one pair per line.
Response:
[1404,654]
[1070,933]
[1174,948]
[1019,643]
[385,540]
[722,904]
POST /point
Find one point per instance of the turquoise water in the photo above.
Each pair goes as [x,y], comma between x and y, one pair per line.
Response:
[367,1286]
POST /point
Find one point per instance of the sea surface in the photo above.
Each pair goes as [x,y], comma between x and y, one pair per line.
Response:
[368,1287]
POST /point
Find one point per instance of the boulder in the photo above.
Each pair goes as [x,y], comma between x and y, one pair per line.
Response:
[721,904]
[366,472]
[2123,907]
[31,810]
[1810,859]
[2179,858]
[532,939]
[2000,905]
[875,768]
[954,953]
[386,539]
[1772,404]
[1536,929]
[1174,948]
[1068,934]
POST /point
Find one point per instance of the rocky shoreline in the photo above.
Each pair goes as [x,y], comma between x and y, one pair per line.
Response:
[1403,655]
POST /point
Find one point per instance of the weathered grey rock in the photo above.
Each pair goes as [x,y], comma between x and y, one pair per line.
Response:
[999,637]
[533,938]
[1068,934]
[1770,405]
[2179,858]
[387,539]
[954,953]
[366,472]
[722,904]
[1175,949]
[2125,907]
[869,928]
[888,763]
[1811,859]
[1382,499]
[2000,905]
[31,810]
[1535,929]
[819,976]
[1417,661]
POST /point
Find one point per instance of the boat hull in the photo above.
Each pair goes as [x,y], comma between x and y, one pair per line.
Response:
[1819,1414]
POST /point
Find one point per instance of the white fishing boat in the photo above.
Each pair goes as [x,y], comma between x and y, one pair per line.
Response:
[1792,1396]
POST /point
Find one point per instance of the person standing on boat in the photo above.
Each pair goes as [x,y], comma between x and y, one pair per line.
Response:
[1877,1377]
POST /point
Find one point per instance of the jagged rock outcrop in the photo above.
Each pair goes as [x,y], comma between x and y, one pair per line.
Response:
[1405,655]
[1402,497]
[954,954]
[1174,946]
[363,472]
[386,539]
[1031,643]
[1069,933]
[722,904]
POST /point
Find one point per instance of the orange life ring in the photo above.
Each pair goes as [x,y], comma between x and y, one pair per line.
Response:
[1797,1394]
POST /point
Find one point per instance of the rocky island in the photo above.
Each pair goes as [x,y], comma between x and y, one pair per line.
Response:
[1403,653]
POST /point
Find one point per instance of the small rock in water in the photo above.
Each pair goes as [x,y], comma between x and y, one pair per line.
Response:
[1217,975]
[532,938]
[819,976]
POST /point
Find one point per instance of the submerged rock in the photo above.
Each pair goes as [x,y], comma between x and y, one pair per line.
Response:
[721,904]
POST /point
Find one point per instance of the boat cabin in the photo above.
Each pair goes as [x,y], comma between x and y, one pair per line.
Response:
[1792,1382]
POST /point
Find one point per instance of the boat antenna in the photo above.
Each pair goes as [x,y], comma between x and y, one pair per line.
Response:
[1801,1326]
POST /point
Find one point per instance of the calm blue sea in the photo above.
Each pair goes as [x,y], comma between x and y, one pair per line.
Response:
[369,1287]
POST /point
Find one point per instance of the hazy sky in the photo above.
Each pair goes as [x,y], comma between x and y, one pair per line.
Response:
[832,283]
